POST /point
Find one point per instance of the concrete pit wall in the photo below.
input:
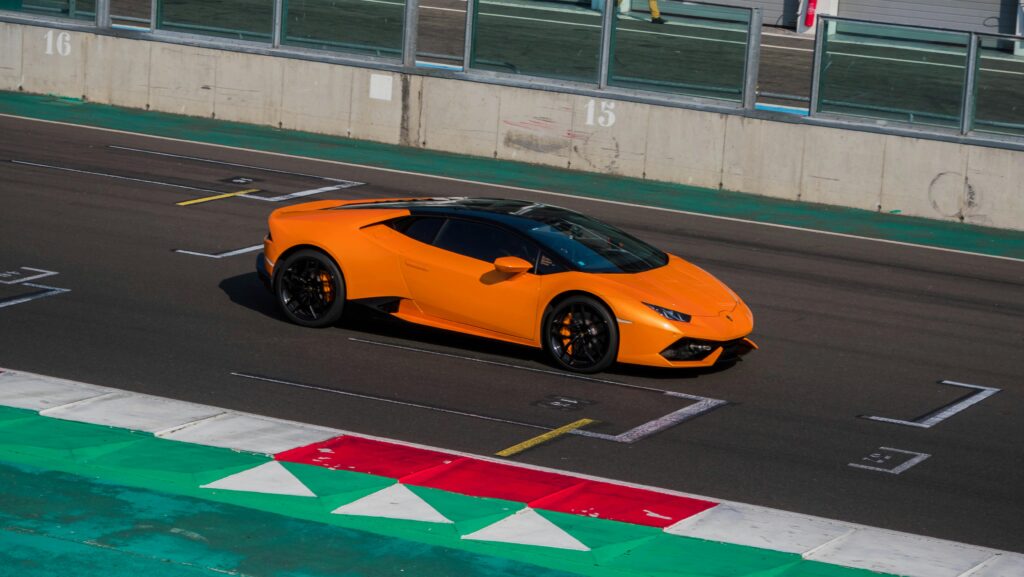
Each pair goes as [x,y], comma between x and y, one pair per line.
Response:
[916,177]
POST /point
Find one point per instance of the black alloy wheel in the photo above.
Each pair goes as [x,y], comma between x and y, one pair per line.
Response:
[310,289]
[581,335]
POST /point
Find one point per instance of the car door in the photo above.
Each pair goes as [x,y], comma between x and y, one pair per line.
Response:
[454,277]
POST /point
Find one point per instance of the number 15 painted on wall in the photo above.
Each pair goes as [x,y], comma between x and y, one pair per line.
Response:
[606,118]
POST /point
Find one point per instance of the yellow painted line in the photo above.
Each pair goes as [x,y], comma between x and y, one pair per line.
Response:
[217,197]
[544,438]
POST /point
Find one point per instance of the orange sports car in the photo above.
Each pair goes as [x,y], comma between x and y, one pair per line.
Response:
[522,272]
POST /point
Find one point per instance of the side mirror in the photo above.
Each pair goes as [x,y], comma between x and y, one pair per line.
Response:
[511,265]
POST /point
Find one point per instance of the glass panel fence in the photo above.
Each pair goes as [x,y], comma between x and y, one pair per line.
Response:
[78,9]
[441,38]
[891,72]
[239,19]
[362,26]
[699,50]
[130,13]
[999,100]
[550,38]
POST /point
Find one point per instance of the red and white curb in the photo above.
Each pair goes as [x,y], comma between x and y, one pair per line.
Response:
[677,513]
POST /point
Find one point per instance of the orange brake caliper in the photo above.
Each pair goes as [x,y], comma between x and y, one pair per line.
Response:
[325,282]
[566,333]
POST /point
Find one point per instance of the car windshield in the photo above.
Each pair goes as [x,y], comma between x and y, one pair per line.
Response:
[593,246]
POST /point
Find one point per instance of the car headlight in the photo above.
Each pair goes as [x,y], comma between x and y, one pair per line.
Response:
[669,313]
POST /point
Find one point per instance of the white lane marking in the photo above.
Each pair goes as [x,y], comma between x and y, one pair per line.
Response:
[633,435]
[117,176]
[301,193]
[500,364]
[387,400]
[917,458]
[46,291]
[234,164]
[524,189]
[793,48]
[935,417]
[986,568]
[462,11]
[235,252]
[42,274]
[702,406]
[925,62]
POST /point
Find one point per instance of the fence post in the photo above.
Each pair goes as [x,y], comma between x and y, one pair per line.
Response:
[604,58]
[819,46]
[970,79]
[278,23]
[752,62]
[154,15]
[412,16]
[467,54]
[103,13]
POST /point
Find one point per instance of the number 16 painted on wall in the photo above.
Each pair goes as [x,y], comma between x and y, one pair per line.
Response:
[61,42]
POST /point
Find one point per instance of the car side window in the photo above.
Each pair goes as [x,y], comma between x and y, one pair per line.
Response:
[545,265]
[423,229]
[483,242]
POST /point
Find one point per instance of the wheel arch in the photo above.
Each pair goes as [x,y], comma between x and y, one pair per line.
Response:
[296,248]
[558,298]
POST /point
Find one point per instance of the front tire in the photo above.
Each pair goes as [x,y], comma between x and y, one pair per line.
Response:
[310,289]
[581,335]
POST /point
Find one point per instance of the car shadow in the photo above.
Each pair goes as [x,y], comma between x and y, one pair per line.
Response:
[247,290]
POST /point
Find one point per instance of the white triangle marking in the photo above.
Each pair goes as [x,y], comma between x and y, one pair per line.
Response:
[394,502]
[527,527]
[270,477]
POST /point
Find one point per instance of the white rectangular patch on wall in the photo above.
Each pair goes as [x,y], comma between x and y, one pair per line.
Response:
[380,87]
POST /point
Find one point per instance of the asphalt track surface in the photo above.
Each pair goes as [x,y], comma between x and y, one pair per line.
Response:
[847,328]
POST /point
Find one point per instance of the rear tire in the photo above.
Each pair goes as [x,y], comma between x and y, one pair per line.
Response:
[310,289]
[580,334]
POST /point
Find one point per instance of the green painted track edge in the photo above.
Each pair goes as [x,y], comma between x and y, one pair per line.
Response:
[177,468]
[883,226]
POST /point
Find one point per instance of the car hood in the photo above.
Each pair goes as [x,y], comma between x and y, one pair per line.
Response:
[680,286]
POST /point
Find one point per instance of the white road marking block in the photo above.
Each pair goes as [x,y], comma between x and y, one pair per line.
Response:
[38,393]
[271,478]
[527,527]
[901,554]
[393,502]
[243,432]
[133,411]
[999,565]
[760,527]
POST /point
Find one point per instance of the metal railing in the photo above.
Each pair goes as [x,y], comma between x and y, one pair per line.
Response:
[924,82]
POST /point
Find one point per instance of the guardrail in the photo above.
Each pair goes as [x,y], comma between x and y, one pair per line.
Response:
[924,82]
